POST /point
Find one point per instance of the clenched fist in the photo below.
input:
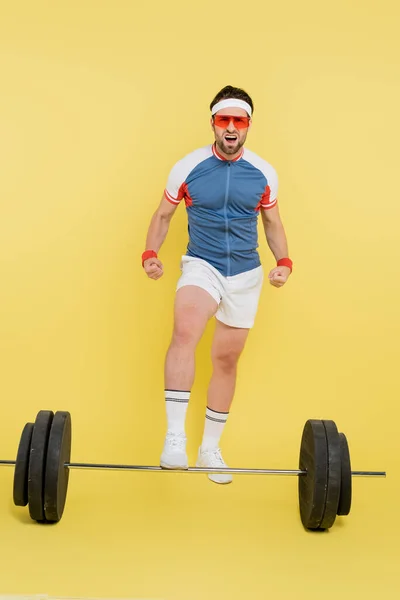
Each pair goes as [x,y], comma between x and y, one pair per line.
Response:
[153,268]
[279,276]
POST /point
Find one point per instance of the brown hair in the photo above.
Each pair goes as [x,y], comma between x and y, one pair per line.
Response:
[232,92]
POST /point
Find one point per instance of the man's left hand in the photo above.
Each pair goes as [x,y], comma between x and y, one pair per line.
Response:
[279,276]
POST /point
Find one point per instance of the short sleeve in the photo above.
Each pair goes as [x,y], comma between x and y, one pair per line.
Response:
[270,196]
[174,188]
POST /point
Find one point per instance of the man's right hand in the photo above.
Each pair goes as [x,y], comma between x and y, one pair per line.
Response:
[153,268]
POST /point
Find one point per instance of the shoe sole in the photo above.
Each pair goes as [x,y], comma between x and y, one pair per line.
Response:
[220,482]
[164,465]
[213,480]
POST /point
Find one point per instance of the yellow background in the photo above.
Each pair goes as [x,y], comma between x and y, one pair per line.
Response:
[98,101]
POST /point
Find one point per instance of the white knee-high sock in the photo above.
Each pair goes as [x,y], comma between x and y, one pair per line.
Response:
[176,403]
[213,428]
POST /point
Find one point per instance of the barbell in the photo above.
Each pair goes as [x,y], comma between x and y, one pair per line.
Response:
[42,467]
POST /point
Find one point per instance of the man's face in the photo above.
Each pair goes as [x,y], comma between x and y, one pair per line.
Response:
[230,136]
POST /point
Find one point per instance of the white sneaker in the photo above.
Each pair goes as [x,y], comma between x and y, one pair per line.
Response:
[174,452]
[213,459]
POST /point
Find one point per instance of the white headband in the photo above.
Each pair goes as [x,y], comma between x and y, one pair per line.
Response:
[231,103]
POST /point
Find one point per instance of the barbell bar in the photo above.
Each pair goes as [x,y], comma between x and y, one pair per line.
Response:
[203,470]
[43,464]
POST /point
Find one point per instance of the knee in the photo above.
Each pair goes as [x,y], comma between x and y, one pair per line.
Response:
[226,360]
[184,334]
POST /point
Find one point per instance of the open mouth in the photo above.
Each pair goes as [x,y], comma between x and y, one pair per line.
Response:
[231,139]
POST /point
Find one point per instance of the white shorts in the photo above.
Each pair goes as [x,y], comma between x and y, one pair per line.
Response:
[237,296]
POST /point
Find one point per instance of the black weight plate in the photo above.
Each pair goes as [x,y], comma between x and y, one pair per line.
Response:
[346,484]
[314,460]
[334,475]
[58,453]
[37,463]
[20,491]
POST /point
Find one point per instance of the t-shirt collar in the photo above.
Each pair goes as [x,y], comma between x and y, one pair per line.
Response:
[220,157]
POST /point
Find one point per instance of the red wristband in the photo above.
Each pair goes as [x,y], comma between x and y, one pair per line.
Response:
[148,254]
[285,262]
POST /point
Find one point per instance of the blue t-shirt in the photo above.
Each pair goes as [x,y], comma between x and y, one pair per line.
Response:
[223,199]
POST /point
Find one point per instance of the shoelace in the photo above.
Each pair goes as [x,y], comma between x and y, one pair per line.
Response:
[175,440]
[216,459]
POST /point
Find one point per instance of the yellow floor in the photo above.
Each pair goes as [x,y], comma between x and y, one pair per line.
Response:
[180,537]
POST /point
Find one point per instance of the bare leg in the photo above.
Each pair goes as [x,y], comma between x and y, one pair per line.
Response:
[193,309]
[227,347]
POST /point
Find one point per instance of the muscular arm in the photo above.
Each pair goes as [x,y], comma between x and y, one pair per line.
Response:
[159,224]
[274,232]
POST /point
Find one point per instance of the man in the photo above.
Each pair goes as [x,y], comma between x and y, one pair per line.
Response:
[224,187]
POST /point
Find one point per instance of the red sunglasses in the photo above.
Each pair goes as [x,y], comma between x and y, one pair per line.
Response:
[224,120]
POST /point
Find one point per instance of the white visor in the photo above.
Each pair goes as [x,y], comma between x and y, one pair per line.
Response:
[231,103]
